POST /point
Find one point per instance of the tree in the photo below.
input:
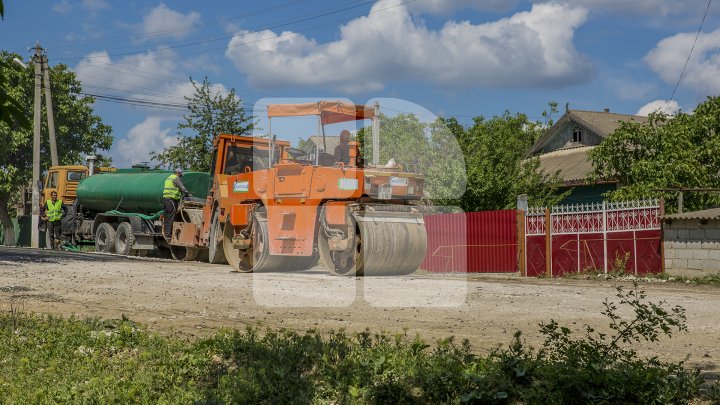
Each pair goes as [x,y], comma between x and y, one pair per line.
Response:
[665,152]
[78,131]
[497,168]
[210,114]
[11,112]
[479,168]
[426,148]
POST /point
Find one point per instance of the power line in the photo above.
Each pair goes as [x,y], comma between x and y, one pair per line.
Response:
[136,101]
[140,90]
[225,37]
[246,101]
[689,55]
[255,41]
[180,28]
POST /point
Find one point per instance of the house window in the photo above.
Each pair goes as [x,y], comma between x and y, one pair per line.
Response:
[577,134]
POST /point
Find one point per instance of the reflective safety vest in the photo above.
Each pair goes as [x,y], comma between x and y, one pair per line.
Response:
[54,211]
[170,191]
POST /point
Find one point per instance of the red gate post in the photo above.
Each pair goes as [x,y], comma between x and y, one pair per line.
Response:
[548,243]
[521,243]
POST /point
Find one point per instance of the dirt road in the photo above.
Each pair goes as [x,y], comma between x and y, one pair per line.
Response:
[198,298]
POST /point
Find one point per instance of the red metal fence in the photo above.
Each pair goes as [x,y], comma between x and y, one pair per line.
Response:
[591,237]
[594,237]
[472,242]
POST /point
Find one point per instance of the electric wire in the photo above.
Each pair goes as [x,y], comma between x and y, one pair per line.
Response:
[225,37]
[689,55]
[175,30]
[244,33]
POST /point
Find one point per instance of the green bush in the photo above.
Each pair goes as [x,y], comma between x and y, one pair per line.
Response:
[597,368]
[46,359]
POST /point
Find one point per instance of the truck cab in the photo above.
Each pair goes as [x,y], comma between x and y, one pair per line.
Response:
[63,180]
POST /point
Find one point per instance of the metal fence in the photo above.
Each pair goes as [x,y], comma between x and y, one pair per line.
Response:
[603,237]
[472,242]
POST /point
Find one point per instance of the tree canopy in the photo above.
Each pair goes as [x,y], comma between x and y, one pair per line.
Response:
[210,113]
[666,152]
[498,170]
[481,167]
[78,130]
[426,148]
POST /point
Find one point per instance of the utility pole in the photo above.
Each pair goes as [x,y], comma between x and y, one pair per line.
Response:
[50,114]
[35,219]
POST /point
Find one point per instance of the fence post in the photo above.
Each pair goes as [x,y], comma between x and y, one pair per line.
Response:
[548,243]
[522,207]
[522,257]
[604,224]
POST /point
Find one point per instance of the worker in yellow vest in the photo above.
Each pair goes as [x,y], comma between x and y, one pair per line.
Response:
[53,211]
[172,192]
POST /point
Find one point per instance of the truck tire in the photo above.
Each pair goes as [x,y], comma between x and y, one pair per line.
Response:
[185,254]
[124,240]
[105,238]
[216,254]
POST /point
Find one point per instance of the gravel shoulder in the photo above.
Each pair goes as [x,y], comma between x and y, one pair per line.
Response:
[195,299]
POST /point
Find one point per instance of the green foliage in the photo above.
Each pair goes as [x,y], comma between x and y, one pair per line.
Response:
[420,147]
[12,113]
[482,167]
[600,367]
[497,170]
[210,114]
[680,151]
[78,130]
[49,359]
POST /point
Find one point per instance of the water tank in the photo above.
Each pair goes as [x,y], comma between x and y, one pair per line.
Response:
[134,190]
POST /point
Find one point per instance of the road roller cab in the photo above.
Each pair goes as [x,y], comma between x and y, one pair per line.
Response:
[281,211]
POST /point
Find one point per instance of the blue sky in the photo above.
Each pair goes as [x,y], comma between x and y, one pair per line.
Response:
[459,58]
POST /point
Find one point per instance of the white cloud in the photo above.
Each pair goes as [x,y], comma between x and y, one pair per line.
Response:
[95,5]
[169,22]
[142,139]
[533,48]
[133,72]
[151,76]
[659,8]
[62,7]
[703,71]
[443,7]
[670,108]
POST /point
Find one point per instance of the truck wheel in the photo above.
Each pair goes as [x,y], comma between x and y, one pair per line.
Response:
[216,254]
[185,254]
[257,258]
[105,238]
[124,240]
